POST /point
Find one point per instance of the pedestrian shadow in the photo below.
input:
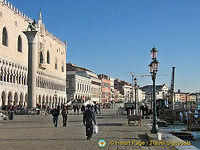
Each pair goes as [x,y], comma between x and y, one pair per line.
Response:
[75,121]
[110,124]
[143,139]
[125,131]
[64,139]
[43,127]
[101,117]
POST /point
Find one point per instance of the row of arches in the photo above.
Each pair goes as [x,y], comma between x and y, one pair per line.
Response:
[16,99]
[20,78]
[49,100]
[42,83]
[12,76]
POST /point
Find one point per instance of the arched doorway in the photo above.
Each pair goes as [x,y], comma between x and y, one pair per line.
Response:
[15,99]
[3,99]
[21,100]
[50,102]
[26,100]
[39,102]
[43,101]
[47,101]
[9,98]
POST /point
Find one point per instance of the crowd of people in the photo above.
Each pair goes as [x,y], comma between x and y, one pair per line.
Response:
[145,110]
[88,112]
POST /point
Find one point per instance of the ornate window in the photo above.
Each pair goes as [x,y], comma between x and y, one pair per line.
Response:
[19,44]
[48,57]
[41,58]
[5,37]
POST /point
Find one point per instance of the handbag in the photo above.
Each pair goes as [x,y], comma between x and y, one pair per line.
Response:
[95,129]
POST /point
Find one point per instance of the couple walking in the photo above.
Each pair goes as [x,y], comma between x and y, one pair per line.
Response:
[56,112]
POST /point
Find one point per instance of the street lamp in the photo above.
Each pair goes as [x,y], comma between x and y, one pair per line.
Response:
[153,68]
[135,81]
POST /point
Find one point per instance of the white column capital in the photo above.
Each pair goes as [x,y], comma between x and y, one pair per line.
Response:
[30,36]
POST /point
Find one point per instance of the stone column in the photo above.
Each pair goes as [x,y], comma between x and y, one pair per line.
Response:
[32,68]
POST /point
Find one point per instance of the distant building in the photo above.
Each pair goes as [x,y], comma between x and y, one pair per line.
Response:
[95,87]
[127,88]
[78,83]
[181,96]
[161,91]
[105,88]
[122,86]
[112,89]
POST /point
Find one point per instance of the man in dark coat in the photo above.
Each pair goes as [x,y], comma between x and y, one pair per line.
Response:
[83,108]
[55,114]
[64,115]
[95,109]
[74,107]
[88,119]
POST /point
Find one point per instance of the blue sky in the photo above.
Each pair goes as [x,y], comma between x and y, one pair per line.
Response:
[115,37]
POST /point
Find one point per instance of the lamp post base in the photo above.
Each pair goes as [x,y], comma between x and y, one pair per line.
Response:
[154,129]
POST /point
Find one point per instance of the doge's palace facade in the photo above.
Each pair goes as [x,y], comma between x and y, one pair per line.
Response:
[51,60]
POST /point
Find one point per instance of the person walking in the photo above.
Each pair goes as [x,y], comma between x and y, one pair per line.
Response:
[99,107]
[55,114]
[74,107]
[83,108]
[146,110]
[64,115]
[95,109]
[142,110]
[88,120]
[77,108]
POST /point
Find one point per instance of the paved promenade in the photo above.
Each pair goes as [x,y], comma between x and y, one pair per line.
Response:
[38,133]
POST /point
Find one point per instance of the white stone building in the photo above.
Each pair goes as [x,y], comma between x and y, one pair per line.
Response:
[161,91]
[51,59]
[95,87]
[127,92]
[78,84]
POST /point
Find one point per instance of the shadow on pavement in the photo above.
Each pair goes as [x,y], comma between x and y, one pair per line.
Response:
[3,128]
[42,139]
[75,121]
[110,124]
[142,138]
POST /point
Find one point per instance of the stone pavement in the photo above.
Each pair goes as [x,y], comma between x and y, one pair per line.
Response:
[38,133]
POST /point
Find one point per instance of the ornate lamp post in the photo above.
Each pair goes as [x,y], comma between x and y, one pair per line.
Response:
[135,81]
[153,67]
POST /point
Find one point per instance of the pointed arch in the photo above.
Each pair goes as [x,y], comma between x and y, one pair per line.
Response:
[56,63]
[3,99]
[48,57]
[4,37]
[41,58]
[19,44]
